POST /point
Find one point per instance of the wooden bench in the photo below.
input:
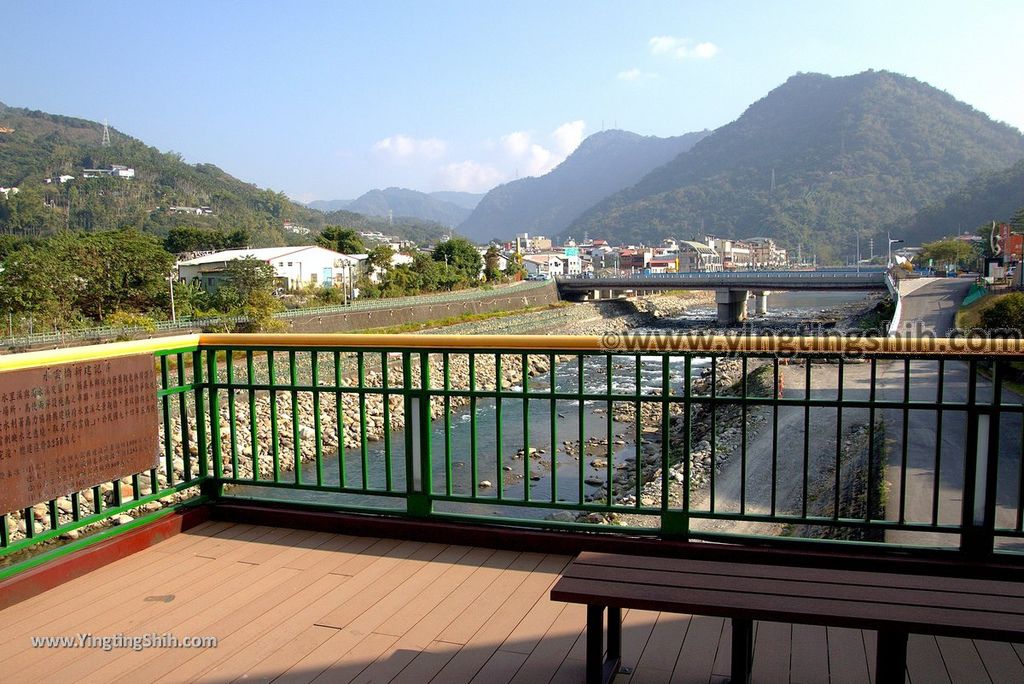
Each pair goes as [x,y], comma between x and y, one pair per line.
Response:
[893,603]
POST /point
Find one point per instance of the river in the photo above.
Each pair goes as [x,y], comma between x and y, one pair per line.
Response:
[509,473]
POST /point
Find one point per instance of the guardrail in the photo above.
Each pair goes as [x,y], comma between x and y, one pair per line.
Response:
[735,275]
[811,440]
[354,306]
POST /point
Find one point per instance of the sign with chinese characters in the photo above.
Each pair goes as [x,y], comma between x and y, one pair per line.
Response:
[68,427]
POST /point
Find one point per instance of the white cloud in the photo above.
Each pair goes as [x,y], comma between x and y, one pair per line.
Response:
[532,158]
[635,75]
[516,143]
[682,48]
[469,176]
[406,147]
[568,136]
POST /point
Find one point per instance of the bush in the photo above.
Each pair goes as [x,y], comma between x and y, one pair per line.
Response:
[1005,315]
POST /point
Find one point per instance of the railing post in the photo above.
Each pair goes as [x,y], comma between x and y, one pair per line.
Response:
[981,465]
[675,522]
[417,437]
[210,486]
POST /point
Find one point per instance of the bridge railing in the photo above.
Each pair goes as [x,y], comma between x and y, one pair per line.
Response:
[807,440]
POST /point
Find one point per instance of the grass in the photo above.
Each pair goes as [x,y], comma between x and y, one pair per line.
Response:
[969,317]
[455,320]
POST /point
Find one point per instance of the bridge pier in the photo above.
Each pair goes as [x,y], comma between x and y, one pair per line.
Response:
[760,302]
[732,306]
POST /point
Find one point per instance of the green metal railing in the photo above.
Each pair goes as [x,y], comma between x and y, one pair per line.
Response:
[881,441]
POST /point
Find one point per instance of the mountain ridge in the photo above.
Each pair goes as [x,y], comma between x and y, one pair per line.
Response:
[603,163]
[816,161]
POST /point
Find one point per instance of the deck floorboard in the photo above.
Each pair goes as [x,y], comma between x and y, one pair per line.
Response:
[297,606]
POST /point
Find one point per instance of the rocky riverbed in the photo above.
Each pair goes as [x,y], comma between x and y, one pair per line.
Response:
[368,405]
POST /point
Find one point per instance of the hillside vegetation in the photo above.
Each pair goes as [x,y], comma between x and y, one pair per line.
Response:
[43,146]
[816,162]
[603,164]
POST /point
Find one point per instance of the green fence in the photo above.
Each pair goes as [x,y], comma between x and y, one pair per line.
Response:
[811,442]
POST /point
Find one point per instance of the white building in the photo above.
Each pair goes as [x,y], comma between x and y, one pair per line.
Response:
[115,170]
[548,265]
[7,192]
[294,267]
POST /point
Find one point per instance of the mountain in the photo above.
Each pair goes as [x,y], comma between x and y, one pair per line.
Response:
[603,164]
[328,206]
[995,196]
[816,161]
[466,200]
[403,202]
[35,146]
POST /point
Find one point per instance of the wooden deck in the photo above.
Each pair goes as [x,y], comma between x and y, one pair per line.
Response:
[296,606]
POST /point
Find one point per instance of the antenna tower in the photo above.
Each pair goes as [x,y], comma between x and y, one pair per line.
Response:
[106,135]
[391,217]
[773,180]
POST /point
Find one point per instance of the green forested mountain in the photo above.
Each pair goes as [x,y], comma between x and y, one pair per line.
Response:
[35,146]
[815,162]
[466,200]
[404,202]
[418,230]
[604,163]
[44,146]
[995,196]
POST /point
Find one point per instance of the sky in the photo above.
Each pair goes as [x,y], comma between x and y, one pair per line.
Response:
[326,100]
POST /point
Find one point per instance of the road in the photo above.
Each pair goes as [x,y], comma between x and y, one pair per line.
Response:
[930,305]
[934,442]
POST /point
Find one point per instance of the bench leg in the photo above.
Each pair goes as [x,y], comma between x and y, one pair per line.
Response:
[599,669]
[742,650]
[891,657]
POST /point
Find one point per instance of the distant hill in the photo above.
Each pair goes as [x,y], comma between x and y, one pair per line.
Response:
[328,205]
[604,163]
[45,145]
[815,162]
[995,196]
[42,146]
[420,231]
[411,203]
[466,200]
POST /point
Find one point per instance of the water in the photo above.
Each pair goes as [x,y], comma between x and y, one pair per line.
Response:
[555,475]
[785,307]
[451,445]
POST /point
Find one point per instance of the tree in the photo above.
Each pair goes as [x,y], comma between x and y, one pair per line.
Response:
[461,260]
[380,257]
[249,292]
[343,240]
[1007,314]
[491,260]
[947,252]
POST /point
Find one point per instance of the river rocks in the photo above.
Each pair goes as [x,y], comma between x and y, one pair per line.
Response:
[484,484]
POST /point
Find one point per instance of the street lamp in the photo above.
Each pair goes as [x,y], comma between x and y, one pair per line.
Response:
[891,243]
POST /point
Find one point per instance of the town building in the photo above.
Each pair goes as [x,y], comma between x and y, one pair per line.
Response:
[736,254]
[765,253]
[294,267]
[115,171]
[7,192]
[548,265]
[698,256]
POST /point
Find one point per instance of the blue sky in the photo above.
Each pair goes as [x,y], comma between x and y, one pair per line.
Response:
[325,100]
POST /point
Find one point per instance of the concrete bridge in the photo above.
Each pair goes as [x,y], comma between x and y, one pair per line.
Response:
[732,290]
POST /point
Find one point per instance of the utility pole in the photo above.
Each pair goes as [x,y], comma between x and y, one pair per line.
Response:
[858,252]
[174,317]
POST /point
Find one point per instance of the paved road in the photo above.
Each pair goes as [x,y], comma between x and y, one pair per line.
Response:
[930,308]
[930,304]
[933,452]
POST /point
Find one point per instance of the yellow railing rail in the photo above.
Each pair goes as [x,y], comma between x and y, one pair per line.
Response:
[95,352]
[695,342]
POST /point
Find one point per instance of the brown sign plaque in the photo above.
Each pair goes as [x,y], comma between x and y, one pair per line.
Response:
[72,426]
